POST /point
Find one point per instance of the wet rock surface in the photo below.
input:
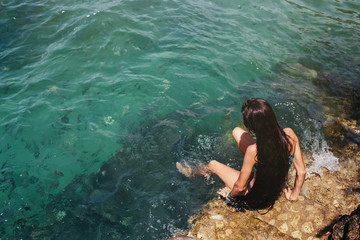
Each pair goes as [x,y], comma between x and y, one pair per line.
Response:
[218,221]
[338,195]
[324,198]
[303,219]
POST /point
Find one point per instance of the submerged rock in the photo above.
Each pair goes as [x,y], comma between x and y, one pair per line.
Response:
[298,69]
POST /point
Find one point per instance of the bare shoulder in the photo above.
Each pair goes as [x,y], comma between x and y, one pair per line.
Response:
[290,133]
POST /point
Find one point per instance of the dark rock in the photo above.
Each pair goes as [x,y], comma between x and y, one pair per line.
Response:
[353,228]
[347,227]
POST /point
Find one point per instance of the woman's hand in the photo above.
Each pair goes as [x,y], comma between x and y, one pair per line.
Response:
[289,195]
[223,191]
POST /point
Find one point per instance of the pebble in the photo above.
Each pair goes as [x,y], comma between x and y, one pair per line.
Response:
[282,217]
[296,234]
[284,228]
[307,227]
[295,221]
[217,217]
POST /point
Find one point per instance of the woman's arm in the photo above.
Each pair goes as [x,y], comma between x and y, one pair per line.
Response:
[293,194]
[240,186]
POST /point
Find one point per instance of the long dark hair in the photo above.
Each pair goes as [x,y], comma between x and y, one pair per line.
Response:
[272,154]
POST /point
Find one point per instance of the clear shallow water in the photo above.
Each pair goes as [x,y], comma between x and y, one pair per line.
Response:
[152,83]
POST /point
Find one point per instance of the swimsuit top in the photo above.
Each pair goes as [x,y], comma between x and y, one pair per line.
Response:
[291,159]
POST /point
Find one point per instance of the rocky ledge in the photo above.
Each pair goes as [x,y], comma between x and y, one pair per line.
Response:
[325,198]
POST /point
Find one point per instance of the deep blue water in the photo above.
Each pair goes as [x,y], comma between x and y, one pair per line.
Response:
[100,99]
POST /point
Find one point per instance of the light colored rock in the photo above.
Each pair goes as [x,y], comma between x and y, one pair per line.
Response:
[284,228]
[236,226]
[307,227]
[336,195]
[282,217]
[296,234]
[294,222]
[228,232]
[217,217]
[318,220]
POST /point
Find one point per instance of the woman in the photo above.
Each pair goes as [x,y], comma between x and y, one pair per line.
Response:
[266,160]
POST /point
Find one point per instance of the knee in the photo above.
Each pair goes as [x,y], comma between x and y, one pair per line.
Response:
[212,164]
[237,132]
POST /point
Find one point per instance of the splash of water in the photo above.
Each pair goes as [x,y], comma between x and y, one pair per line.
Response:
[322,157]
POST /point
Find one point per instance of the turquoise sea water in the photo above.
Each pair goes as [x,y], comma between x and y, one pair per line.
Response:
[100,99]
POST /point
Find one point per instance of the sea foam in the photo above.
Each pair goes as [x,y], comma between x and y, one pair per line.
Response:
[322,157]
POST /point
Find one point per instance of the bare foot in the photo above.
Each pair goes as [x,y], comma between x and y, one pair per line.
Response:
[184,170]
[200,171]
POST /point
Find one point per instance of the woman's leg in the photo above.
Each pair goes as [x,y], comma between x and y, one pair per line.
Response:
[242,138]
[227,174]
[199,171]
